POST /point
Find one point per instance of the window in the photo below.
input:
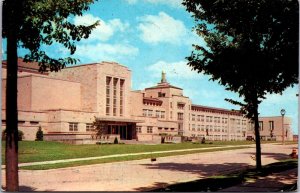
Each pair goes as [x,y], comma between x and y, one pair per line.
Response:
[271,124]
[198,128]
[209,119]
[171,105]
[180,116]
[73,126]
[202,127]
[160,94]
[149,129]
[159,128]
[150,113]
[34,122]
[261,127]
[21,122]
[139,129]
[180,106]
[89,127]
[166,128]
[122,81]
[157,113]
[115,97]
[193,127]
[162,115]
[202,118]
[171,115]
[193,117]
[172,128]
[145,112]
[108,80]
[198,117]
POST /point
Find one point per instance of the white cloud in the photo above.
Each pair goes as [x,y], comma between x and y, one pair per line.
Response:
[171,3]
[164,28]
[173,70]
[102,51]
[105,30]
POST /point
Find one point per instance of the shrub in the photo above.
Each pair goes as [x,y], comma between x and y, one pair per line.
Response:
[39,134]
[116,141]
[20,135]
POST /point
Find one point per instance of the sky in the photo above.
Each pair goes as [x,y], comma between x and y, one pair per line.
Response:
[149,36]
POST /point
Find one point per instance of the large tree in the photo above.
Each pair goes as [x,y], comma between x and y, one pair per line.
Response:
[30,24]
[251,48]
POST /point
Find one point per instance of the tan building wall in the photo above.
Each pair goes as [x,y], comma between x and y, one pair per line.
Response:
[67,102]
[273,125]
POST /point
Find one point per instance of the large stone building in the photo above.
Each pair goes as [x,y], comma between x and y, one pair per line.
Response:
[66,103]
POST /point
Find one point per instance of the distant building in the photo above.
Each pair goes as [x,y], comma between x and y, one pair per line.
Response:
[66,103]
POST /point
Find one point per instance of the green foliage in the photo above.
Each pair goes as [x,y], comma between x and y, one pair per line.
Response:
[251,46]
[39,134]
[20,135]
[44,23]
[99,127]
[116,141]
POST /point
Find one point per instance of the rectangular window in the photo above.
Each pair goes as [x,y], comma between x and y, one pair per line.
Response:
[171,115]
[145,112]
[73,126]
[198,128]
[34,122]
[89,127]
[157,113]
[139,129]
[149,129]
[271,124]
[21,122]
[180,116]
[261,127]
[150,113]
[122,81]
[166,128]
[159,128]
[108,80]
[115,96]
[162,115]
[193,117]
[171,105]
[193,127]
[202,118]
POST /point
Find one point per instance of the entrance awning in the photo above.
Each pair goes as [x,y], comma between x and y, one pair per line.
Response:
[115,119]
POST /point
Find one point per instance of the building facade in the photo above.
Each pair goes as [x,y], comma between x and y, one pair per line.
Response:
[66,103]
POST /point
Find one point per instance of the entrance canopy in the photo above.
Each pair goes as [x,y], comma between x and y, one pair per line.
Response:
[126,128]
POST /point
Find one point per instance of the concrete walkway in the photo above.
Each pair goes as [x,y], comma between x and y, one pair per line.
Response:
[272,183]
[127,154]
[142,175]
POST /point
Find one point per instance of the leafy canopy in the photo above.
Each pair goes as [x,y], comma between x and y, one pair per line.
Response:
[251,46]
[44,22]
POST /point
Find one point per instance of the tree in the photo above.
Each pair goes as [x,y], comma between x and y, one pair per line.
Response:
[99,128]
[251,49]
[39,134]
[30,24]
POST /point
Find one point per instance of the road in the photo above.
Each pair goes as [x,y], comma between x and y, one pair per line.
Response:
[141,175]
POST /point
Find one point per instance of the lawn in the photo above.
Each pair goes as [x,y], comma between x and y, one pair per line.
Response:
[34,151]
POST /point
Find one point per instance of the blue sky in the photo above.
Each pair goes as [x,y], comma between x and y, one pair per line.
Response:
[149,36]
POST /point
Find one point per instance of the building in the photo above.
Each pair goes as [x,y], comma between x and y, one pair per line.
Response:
[66,103]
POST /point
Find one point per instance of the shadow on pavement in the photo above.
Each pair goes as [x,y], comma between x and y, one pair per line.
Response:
[200,169]
[276,156]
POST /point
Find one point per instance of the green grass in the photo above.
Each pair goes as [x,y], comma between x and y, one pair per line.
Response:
[216,183]
[34,151]
[117,159]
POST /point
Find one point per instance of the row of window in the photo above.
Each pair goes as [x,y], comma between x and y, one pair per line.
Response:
[73,126]
[158,114]
[150,129]
[112,95]
[209,128]
[20,122]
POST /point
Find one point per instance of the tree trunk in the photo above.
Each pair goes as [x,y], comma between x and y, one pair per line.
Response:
[257,135]
[11,149]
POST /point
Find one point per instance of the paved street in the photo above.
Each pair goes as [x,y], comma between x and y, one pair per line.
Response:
[143,175]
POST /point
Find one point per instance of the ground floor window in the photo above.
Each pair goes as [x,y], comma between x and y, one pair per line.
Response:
[73,126]
[89,127]
[139,129]
[149,129]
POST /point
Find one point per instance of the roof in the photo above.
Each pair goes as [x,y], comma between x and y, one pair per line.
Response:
[25,66]
[153,100]
[221,110]
[163,85]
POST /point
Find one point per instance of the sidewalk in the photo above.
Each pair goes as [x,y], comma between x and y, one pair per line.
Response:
[272,183]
